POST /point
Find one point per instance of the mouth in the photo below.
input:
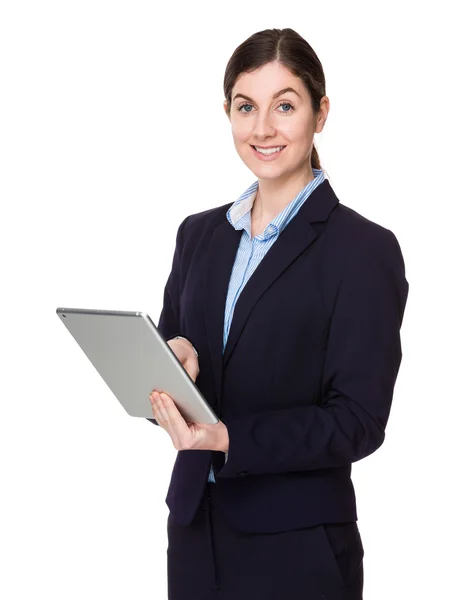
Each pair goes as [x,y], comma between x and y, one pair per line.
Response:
[269,153]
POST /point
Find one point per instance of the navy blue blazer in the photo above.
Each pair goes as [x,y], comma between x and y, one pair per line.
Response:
[306,381]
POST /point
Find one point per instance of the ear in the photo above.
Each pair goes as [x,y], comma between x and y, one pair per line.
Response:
[323,114]
[225,105]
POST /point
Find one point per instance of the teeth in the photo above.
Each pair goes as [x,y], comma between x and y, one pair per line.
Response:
[269,150]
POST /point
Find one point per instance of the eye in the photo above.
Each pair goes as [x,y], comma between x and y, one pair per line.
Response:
[247,105]
[287,104]
[239,108]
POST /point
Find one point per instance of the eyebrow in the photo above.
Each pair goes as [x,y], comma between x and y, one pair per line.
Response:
[279,93]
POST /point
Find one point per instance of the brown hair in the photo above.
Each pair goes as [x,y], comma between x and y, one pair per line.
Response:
[289,49]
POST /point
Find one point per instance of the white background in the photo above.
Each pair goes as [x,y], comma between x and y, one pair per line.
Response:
[112,131]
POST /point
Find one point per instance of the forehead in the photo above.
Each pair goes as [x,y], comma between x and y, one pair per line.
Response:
[268,79]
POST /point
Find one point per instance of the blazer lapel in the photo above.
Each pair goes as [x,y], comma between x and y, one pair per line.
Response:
[293,241]
[222,252]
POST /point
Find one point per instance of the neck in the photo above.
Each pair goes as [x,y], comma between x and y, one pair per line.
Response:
[273,195]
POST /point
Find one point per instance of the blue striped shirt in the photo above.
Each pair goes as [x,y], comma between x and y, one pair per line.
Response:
[251,251]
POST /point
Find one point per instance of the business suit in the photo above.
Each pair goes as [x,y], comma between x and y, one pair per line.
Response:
[307,376]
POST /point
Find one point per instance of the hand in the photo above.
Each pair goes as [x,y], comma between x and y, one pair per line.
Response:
[187,436]
[184,351]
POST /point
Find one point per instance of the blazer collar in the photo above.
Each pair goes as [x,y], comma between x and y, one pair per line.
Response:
[297,236]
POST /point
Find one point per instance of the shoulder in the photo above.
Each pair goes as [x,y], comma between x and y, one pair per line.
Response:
[357,236]
[196,225]
[206,218]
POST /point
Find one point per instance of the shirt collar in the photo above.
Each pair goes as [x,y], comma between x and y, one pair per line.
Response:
[239,214]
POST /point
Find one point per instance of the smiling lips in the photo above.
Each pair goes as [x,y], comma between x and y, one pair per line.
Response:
[269,153]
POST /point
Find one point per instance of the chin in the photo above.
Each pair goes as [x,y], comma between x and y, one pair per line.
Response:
[267,171]
[268,175]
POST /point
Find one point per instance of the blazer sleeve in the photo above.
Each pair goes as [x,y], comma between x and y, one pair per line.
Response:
[169,320]
[362,360]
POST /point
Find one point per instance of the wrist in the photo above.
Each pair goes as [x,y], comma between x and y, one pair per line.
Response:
[180,337]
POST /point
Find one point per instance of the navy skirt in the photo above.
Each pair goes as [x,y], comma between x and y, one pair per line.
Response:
[210,560]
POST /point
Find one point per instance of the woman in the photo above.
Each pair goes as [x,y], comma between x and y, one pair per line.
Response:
[285,307]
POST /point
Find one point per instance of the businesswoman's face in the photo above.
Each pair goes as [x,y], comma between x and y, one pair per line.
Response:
[263,113]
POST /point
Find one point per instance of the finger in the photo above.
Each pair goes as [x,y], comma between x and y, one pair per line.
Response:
[163,409]
[151,399]
[171,419]
[178,429]
[159,411]
[156,408]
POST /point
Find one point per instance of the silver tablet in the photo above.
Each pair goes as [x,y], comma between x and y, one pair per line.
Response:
[133,358]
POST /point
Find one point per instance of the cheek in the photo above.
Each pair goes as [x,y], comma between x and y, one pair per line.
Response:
[293,133]
[241,132]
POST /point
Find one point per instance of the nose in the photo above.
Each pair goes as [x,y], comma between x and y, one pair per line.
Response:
[263,126]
